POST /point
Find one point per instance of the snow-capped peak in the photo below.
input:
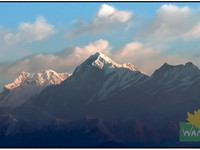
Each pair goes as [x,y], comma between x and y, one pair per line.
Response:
[44,78]
[27,85]
[103,62]
[19,80]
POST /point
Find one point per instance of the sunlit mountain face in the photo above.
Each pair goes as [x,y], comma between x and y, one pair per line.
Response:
[27,85]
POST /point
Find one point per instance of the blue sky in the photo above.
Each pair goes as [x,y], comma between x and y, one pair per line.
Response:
[37,36]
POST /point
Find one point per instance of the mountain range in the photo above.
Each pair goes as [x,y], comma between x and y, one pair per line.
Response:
[105,102]
[27,85]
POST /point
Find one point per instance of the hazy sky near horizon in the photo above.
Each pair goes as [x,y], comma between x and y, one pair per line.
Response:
[59,36]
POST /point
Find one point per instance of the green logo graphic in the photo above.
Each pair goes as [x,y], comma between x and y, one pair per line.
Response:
[190,131]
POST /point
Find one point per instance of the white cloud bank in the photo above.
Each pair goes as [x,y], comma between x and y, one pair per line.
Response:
[145,58]
[193,33]
[110,14]
[171,22]
[107,17]
[30,32]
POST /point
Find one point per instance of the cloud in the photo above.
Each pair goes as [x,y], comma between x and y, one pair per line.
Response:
[107,17]
[193,33]
[111,14]
[145,58]
[30,32]
[81,53]
[172,12]
[135,51]
[174,30]
[169,22]
[138,54]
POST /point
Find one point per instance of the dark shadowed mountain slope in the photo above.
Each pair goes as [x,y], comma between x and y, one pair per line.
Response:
[102,88]
[168,95]
[86,92]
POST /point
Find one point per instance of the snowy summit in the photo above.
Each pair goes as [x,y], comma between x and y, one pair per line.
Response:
[27,85]
[45,78]
[105,63]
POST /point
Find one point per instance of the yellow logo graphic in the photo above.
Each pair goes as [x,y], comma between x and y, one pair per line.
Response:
[190,131]
[194,119]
